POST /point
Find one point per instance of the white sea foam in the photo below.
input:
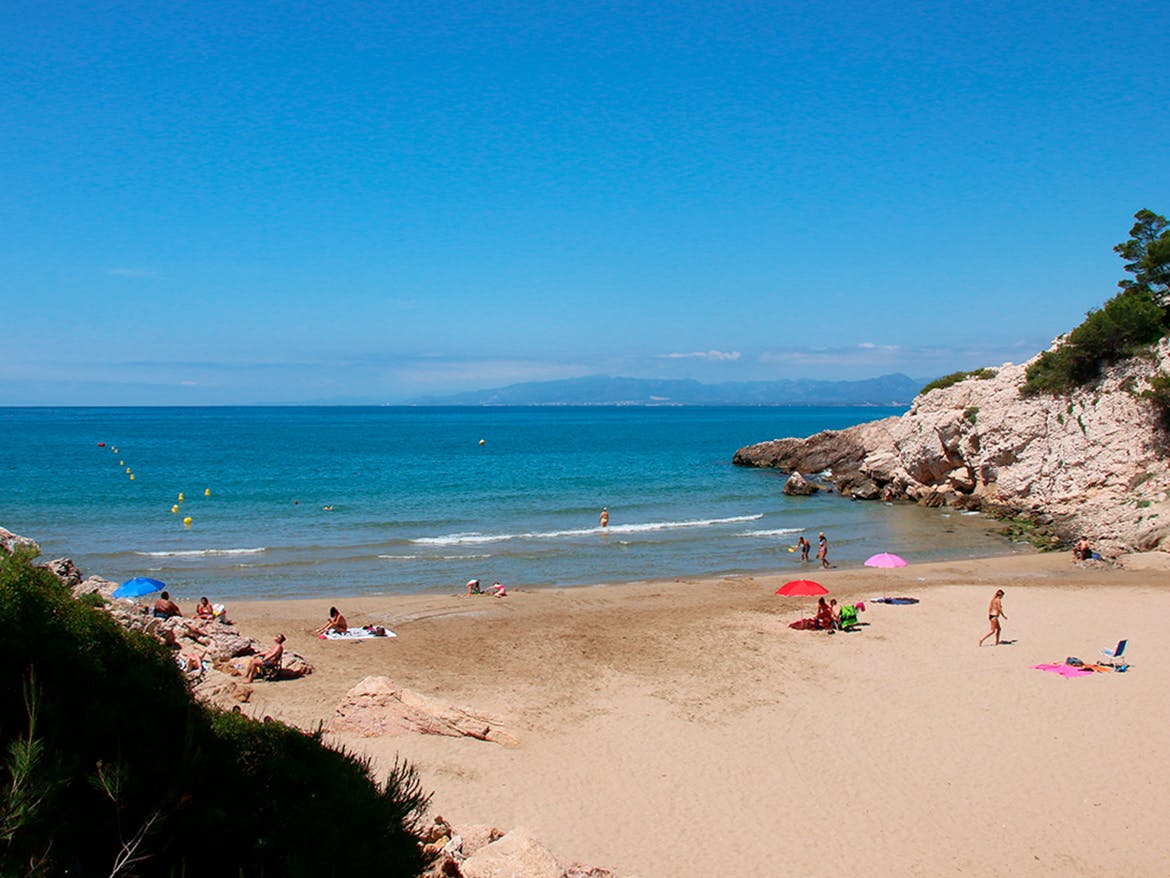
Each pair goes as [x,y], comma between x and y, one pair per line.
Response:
[196,553]
[778,532]
[646,527]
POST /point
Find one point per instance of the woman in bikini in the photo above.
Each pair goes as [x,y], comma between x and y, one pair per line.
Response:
[993,614]
[336,623]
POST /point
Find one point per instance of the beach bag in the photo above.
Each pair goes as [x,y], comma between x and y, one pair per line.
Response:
[1075,662]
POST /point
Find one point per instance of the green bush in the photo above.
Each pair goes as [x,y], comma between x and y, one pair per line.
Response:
[103,751]
[1159,394]
[955,378]
[1126,325]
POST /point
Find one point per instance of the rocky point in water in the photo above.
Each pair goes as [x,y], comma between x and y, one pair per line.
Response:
[1093,463]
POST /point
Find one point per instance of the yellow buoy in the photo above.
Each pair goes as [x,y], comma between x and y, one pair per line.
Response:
[207,492]
[180,496]
[131,476]
[121,463]
[481,441]
[127,470]
[187,521]
[175,508]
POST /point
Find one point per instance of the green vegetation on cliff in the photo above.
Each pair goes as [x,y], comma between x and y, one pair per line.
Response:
[1125,326]
[955,378]
[109,767]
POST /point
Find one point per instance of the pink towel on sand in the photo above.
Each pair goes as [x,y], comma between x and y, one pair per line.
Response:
[1064,670]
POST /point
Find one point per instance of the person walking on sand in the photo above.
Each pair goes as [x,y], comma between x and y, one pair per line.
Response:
[993,614]
[604,517]
[822,549]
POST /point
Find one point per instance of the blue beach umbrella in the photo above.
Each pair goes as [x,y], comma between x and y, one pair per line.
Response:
[138,586]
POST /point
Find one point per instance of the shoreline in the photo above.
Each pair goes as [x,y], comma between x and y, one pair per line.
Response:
[674,727]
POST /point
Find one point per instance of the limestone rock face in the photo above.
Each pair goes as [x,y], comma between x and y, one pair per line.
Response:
[379,706]
[799,486]
[10,542]
[515,854]
[1094,463]
[66,571]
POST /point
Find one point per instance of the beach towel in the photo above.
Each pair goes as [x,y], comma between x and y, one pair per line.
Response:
[1065,670]
[359,633]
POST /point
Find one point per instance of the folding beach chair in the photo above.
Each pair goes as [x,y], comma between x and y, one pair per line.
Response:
[848,616]
[270,671]
[1114,654]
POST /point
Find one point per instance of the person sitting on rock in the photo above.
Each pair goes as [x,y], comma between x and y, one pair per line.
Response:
[204,610]
[164,607]
[269,659]
[336,623]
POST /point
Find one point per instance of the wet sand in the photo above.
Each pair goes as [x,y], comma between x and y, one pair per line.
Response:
[681,728]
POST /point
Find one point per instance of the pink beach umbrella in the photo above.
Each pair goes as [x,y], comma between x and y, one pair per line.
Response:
[885,559]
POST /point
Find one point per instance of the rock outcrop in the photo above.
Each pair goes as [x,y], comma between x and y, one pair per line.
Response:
[1094,463]
[486,852]
[379,706]
[10,542]
[216,648]
[797,485]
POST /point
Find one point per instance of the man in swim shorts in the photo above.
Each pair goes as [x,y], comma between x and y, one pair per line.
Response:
[993,614]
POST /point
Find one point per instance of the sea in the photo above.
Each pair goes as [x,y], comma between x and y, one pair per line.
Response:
[286,502]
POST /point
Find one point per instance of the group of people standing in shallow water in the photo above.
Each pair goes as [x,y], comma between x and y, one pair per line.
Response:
[804,546]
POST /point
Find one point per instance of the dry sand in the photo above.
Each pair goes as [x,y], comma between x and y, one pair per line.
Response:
[683,729]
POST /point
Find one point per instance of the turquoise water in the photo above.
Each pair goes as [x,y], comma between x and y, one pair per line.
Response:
[341,501]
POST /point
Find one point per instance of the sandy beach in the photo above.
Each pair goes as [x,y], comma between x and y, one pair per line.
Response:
[681,728]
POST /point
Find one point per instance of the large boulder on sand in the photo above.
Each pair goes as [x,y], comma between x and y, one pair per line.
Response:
[515,854]
[379,706]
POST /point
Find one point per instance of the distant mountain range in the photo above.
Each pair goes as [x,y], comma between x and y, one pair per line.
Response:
[896,389]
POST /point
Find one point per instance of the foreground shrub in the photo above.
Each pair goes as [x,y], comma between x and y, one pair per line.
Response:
[108,766]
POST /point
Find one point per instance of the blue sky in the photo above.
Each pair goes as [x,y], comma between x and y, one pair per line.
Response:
[220,203]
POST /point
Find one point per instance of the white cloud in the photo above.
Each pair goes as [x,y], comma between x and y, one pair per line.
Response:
[718,356]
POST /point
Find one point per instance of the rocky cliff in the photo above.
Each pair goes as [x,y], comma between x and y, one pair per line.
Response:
[1095,463]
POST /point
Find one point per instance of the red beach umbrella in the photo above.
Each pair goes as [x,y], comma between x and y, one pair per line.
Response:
[801,588]
[885,559]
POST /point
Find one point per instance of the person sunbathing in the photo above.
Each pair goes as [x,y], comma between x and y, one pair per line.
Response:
[336,623]
[164,607]
[204,610]
[824,617]
[269,659]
